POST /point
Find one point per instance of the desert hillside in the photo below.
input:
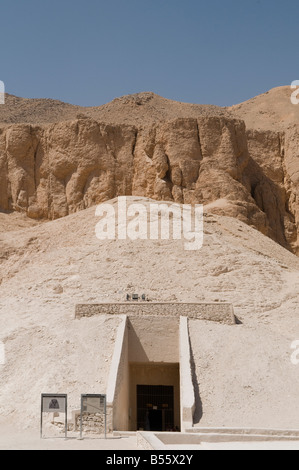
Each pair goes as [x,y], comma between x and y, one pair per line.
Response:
[243,373]
[56,159]
[272,110]
[140,109]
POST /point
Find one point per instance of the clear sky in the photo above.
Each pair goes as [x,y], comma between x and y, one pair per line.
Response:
[201,51]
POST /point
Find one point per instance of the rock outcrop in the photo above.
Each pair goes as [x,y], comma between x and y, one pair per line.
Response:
[51,170]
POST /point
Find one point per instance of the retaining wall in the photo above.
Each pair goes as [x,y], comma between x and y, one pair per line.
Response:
[217,312]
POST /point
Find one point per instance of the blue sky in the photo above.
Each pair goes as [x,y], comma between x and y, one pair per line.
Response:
[89,52]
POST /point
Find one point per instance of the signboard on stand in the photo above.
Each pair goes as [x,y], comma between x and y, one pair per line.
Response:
[53,403]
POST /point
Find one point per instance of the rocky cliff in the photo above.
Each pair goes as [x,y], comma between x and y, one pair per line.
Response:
[49,170]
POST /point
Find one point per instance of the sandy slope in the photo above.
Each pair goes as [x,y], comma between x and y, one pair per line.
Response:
[140,109]
[272,110]
[15,221]
[244,372]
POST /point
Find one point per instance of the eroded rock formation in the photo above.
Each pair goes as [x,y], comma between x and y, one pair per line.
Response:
[52,170]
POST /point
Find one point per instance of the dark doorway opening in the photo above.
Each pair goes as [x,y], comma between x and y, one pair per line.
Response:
[155,407]
[155,420]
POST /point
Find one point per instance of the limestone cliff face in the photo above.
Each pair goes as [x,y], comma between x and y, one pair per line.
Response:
[53,170]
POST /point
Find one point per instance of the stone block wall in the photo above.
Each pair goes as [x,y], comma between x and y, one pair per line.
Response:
[92,423]
[217,312]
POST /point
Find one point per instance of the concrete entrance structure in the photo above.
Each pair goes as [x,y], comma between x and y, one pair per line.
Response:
[152,356]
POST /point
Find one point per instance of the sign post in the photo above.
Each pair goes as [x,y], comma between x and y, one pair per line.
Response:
[53,403]
[93,404]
